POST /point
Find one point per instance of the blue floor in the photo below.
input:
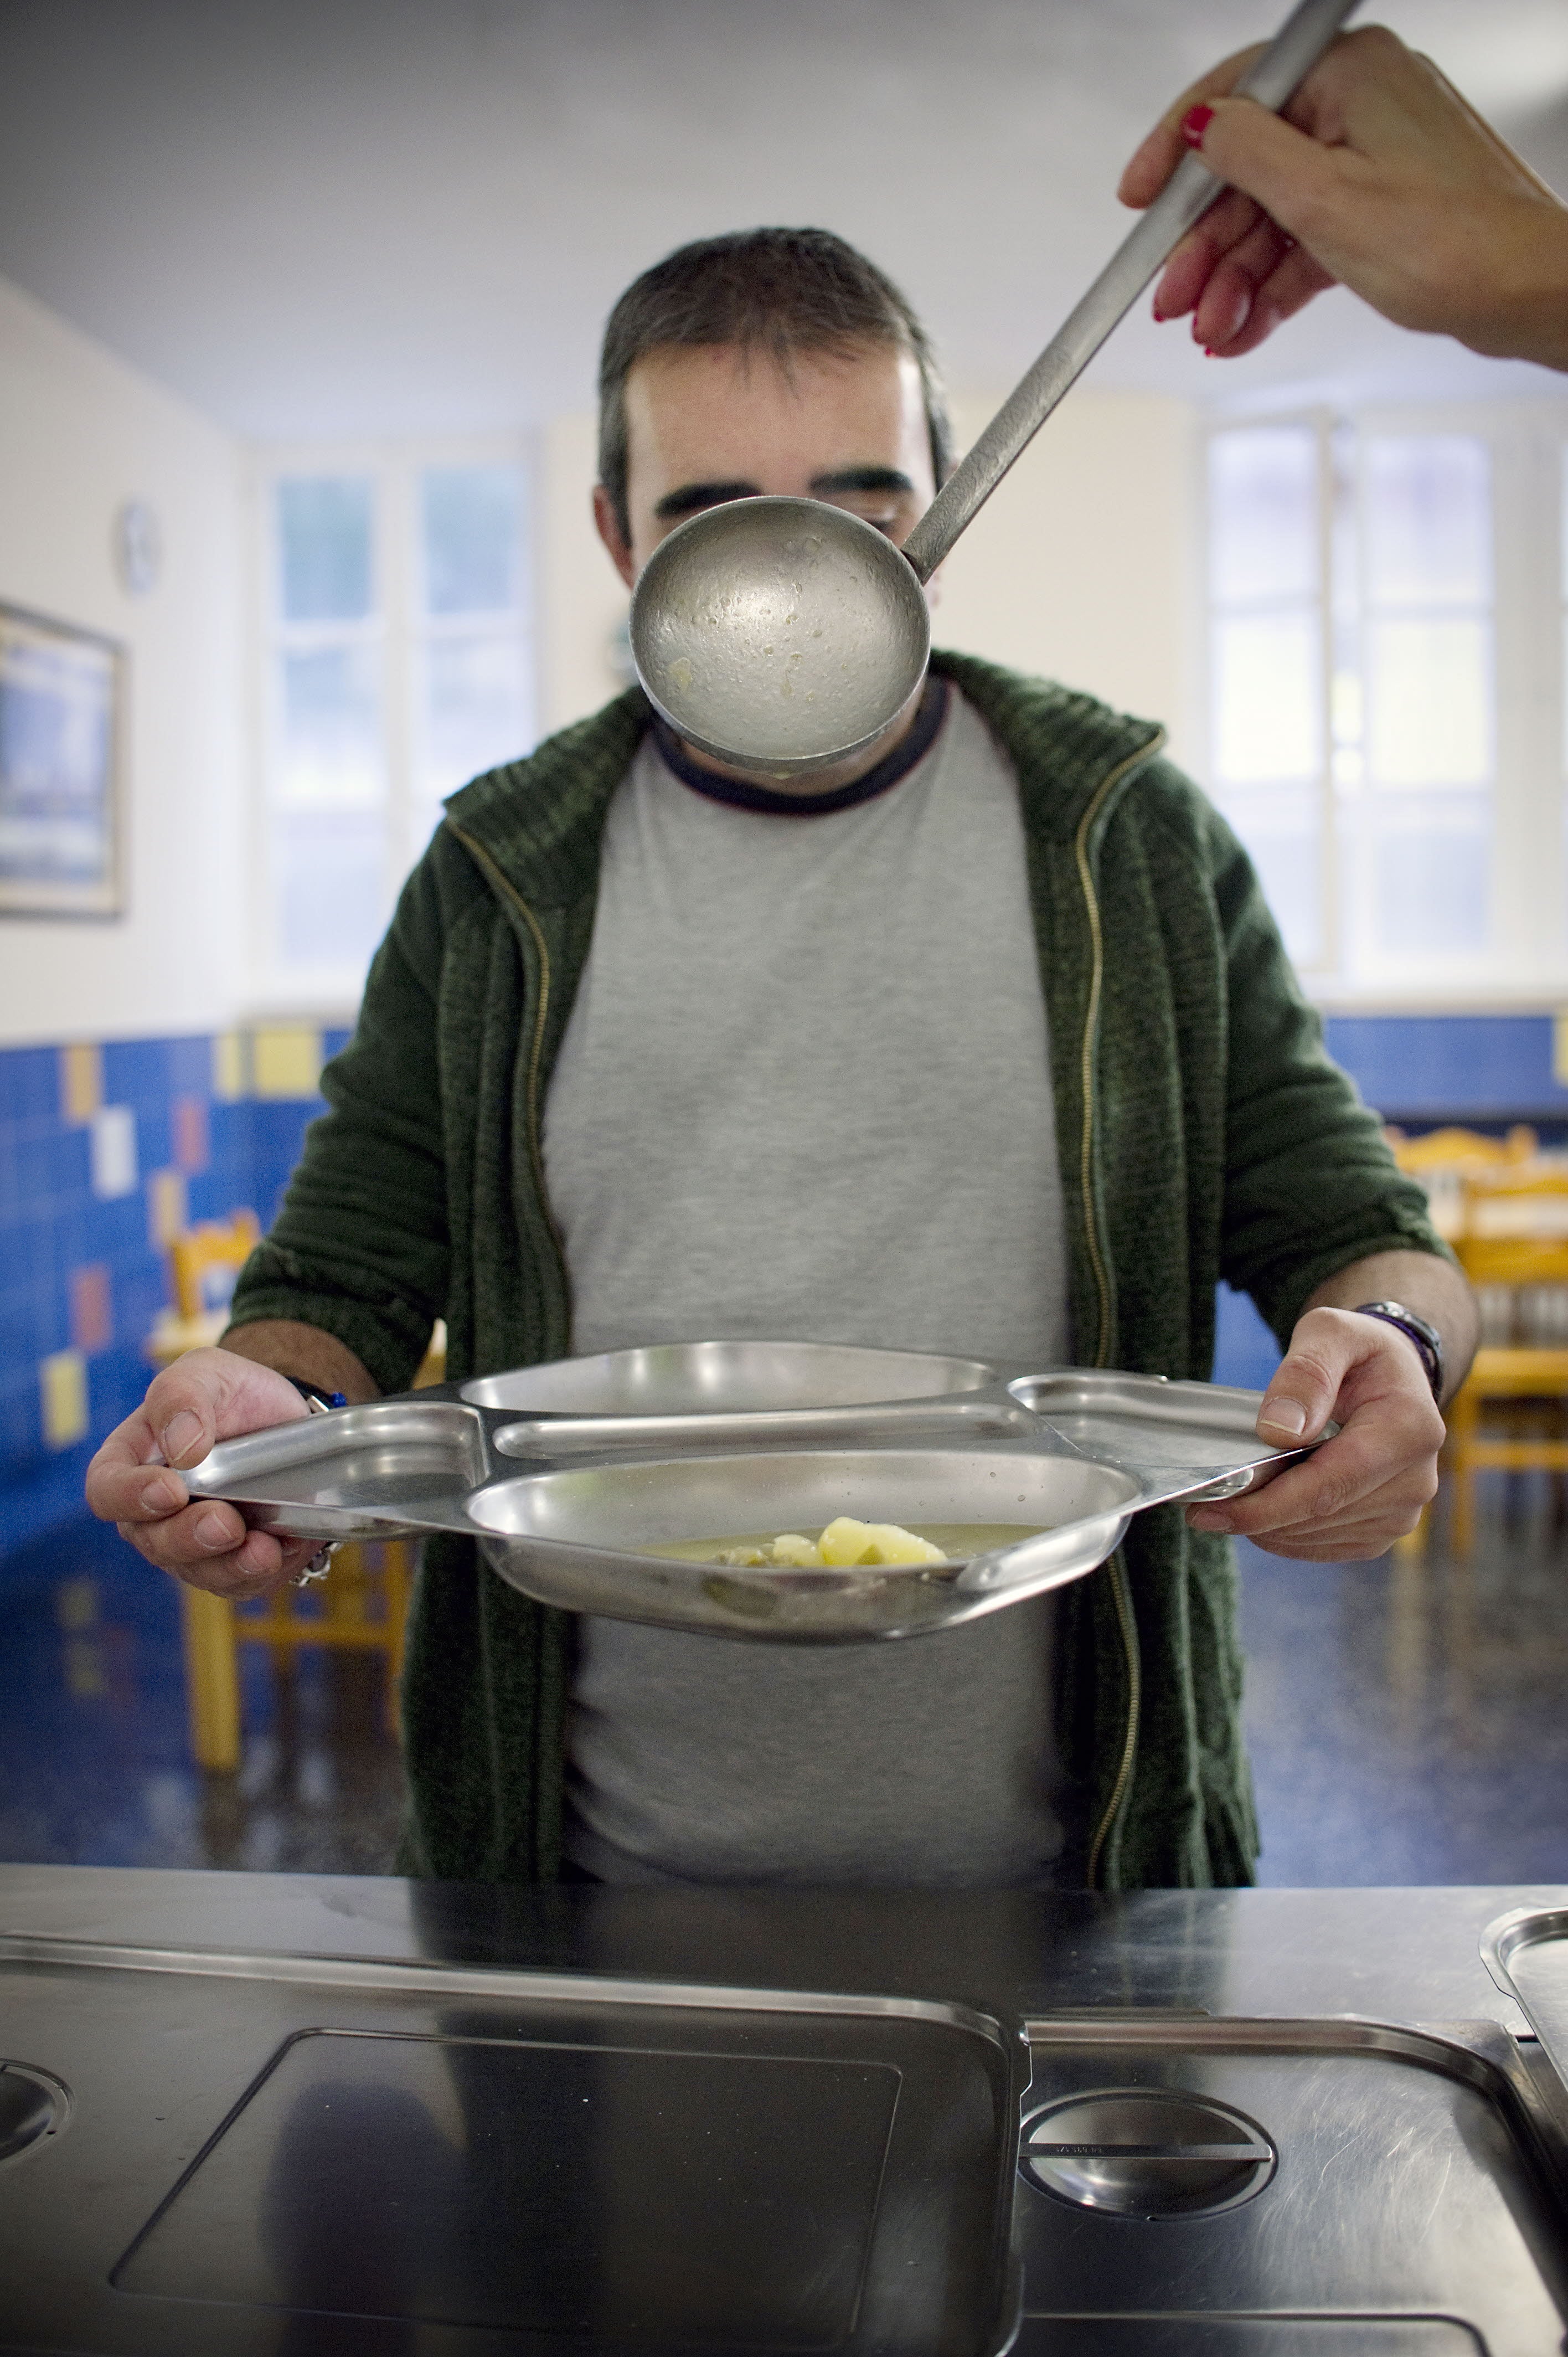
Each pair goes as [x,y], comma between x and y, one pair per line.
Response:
[94,1768]
[1407,1722]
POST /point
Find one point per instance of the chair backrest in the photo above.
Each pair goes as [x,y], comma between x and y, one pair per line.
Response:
[206,1260]
[1461,1149]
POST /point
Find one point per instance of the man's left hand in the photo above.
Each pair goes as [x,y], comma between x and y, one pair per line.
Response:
[1365,1488]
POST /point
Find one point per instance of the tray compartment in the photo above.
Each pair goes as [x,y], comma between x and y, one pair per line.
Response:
[573,1537]
[405,1463]
[1175,1437]
[700,1378]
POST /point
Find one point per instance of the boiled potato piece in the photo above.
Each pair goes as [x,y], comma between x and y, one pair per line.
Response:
[790,1548]
[846,1541]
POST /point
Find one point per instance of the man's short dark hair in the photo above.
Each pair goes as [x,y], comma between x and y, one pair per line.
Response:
[780,291]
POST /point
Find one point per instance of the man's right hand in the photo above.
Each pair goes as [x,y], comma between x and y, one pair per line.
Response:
[134,1480]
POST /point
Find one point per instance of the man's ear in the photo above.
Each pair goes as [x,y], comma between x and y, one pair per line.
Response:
[607,524]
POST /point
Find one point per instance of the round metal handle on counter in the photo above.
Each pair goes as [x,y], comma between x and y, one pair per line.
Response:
[787,635]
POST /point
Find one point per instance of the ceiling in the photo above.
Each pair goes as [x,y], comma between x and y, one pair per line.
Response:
[341,218]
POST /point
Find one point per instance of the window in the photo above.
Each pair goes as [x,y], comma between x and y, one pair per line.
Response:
[1267,722]
[1377,668]
[398,665]
[1417,790]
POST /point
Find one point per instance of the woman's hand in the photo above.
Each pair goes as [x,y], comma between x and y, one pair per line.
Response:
[1378,175]
[134,1480]
[1364,1489]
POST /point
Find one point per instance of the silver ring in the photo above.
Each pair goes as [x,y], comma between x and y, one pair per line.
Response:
[319,1566]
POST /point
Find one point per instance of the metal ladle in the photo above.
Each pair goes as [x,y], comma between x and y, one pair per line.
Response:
[786,635]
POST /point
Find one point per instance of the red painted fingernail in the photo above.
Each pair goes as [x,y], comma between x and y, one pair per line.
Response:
[1194,123]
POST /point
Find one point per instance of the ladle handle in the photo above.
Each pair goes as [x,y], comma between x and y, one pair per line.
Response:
[1186,198]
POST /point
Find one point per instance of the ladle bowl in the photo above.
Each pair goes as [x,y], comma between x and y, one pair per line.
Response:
[787,627]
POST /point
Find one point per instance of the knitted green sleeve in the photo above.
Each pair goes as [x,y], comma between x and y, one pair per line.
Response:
[1311,1185]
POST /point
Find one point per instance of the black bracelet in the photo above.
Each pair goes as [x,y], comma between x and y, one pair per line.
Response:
[1426,1339]
[318,1401]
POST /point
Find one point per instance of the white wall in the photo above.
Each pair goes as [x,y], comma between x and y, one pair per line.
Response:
[580,601]
[1084,566]
[1084,562]
[80,433]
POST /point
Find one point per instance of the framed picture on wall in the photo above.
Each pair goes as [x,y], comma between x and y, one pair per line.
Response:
[61,729]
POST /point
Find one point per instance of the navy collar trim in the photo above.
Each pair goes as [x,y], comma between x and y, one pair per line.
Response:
[740,795]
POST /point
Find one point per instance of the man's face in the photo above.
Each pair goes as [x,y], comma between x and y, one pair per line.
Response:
[717,423]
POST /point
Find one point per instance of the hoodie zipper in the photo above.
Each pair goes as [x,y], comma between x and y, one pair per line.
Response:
[1098,1260]
[536,1046]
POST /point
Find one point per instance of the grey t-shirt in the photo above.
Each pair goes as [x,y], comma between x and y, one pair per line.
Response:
[804,1094]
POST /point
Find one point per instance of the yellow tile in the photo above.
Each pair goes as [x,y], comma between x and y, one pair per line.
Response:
[1559,1050]
[62,1386]
[286,1061]
[168,1214]
[231,1067]
[80,1081]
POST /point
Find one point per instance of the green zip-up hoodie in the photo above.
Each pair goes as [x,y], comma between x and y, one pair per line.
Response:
[1204,1134]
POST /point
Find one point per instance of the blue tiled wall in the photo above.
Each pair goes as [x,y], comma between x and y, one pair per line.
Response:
[81,1269]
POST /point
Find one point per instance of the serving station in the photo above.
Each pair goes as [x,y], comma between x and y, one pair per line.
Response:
[272,2115]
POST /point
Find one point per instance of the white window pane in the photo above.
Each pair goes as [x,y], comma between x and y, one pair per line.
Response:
[1427,505]
[326,570]
[1565,691]
[1429,703]
[1562,542]
[472,519]
[1430,876]
[329,887]
[1268,697]
[1281,831]
[1263,515]
[478,709]
[331,755]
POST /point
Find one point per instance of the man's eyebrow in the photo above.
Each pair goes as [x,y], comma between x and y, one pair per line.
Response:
[690,497]
[861,478]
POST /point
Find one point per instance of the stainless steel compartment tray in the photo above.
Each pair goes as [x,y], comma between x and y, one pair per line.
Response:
[1526,1951]
[566,1506]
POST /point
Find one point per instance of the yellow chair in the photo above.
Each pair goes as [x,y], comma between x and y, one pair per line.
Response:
[1461,1149]
[1512,1413]
[203,1263]
[361,1607]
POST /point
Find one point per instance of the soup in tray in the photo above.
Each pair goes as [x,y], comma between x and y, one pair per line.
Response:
[847,1543]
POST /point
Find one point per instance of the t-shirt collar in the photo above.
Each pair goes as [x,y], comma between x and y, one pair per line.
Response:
[741,795]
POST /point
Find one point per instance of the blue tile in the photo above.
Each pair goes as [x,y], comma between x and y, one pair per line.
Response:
[135,1071]
[1435,1066]
[70,1164]
[190,1066]
[36,1188]
[29,1083]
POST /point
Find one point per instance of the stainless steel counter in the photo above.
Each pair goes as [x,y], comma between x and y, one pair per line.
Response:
[272,2115]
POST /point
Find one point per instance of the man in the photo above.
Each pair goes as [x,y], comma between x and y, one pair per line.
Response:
[985,1044]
